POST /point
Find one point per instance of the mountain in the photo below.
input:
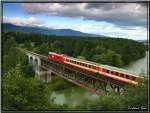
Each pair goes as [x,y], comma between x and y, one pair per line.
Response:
[58,32]
[142,41]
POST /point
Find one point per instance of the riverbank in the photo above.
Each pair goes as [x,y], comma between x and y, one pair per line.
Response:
[139,66]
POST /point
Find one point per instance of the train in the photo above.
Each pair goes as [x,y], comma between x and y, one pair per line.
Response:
[115,73]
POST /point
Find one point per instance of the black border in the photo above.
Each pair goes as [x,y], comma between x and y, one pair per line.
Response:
[76,1]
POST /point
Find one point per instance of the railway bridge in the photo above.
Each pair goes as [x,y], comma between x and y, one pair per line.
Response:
[45,67]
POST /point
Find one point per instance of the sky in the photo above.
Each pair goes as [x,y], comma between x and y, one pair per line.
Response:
[123,20]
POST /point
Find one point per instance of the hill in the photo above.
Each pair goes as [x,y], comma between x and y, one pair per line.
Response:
[57,32]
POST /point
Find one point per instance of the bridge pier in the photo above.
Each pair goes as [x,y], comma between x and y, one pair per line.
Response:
[44,76]
[35,61]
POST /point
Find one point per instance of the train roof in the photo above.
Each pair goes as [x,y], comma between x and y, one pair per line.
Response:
[56,53]
[107,67]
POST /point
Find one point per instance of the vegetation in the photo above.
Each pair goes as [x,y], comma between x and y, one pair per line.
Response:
[112,51]
[21,91]
[133,99]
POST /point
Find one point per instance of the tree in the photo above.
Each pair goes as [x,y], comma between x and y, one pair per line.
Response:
[81,57]
[13,57]
[28,45]
[100,49]
[84,53]
[42,49]
[7,44]
[20,93]
[117,60]
[56,46]
[102,58]
[29,70]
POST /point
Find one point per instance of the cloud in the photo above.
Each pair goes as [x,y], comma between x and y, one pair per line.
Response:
[124,14]
[109,29]
[31,21]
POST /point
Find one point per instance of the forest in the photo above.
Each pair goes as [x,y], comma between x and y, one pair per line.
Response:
[111,51]
[21,91]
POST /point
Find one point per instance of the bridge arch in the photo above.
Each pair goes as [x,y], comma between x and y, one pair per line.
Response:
[36,64]
[31,60]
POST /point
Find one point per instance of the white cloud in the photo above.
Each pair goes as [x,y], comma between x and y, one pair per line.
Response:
[109,29]
[23,21]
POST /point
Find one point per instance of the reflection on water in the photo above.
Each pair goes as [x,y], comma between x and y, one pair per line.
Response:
[77,96]
[139,66]
[58,98]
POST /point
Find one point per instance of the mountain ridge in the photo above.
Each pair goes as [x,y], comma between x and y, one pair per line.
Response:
[48,31]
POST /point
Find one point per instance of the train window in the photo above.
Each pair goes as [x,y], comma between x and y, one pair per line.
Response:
[122,75]
[133,78]
[89,66]
[127,76]
[103,70]
[112,72]
[117,73]
[94,67]
[85,65]
[107,71]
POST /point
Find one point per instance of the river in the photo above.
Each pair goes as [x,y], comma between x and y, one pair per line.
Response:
[139,66]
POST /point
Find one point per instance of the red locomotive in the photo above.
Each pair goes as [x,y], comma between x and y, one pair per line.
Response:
[56,57]
[108,71]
